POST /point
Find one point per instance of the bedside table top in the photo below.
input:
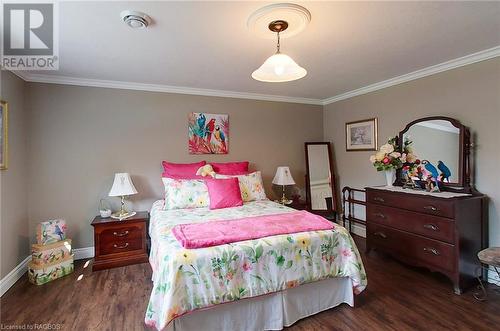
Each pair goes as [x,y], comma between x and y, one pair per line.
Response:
[139,216]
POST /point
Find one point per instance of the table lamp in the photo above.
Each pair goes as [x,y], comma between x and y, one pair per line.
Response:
[122,186]
[283,177]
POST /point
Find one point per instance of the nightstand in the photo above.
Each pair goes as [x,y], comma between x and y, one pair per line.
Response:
[119,243]
[299,205]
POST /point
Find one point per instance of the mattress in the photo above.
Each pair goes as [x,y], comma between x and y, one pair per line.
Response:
[187,280]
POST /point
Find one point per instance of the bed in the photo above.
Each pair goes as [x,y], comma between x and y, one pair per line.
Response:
[260,284]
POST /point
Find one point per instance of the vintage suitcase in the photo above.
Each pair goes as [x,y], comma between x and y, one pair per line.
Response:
[52,253]
[49,232]
[39,275]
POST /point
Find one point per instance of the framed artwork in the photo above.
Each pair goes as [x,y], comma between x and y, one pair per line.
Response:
[361,135]
[208,133]
[4,125]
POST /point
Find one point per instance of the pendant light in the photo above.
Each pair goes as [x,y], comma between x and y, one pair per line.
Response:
[279,67]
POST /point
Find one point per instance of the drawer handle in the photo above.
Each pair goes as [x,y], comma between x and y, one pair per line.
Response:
[431,250]
[432,227]
[379,215]
[380,234]
[379,199]
[120,247]
[431,208]
[121,234]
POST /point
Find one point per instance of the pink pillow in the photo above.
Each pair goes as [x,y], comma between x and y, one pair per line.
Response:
[181,170]
[224,193]
[230,168]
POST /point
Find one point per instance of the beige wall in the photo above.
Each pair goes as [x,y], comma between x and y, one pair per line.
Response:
[470,94]
[14,231]
[81,136]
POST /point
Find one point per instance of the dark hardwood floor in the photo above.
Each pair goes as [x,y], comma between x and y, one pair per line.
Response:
[398,297]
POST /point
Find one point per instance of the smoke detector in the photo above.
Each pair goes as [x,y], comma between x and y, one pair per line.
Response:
[135,19]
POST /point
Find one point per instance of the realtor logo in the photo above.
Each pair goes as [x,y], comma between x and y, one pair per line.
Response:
[29,36]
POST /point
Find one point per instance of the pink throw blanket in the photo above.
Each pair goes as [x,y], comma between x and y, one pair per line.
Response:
[198,235]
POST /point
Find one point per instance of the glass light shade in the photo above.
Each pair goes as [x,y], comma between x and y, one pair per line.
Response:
[279,68]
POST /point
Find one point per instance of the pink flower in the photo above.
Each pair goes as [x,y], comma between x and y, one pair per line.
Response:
[346,252]
[247,266]
[229,275]
[386,160]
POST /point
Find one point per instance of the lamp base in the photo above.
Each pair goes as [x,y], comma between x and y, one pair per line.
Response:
[123,215]
[284,201]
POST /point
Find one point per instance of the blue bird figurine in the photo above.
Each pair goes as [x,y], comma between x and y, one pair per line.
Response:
[445,171]
[430,168]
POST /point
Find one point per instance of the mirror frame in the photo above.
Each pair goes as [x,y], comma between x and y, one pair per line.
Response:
[464,172]
[331,208]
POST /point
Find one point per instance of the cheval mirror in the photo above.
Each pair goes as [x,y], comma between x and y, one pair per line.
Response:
[320,179]
[444,143]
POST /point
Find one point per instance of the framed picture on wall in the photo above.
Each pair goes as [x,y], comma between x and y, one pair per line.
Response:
[208,133]
[4,122]
[361,135]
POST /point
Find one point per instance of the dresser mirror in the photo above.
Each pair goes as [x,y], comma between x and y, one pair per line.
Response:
[444,143]
[320,182]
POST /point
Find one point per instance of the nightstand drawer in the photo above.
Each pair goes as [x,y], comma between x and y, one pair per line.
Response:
[127,232]
[120,246]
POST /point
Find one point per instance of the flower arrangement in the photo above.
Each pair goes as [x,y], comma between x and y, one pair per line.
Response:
[410,161]
[388,158]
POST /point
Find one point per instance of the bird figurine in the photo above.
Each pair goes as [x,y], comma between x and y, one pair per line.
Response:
[445,171]
[219,135]
[433,174]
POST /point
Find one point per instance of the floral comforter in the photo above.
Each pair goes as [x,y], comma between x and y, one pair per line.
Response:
[185,280]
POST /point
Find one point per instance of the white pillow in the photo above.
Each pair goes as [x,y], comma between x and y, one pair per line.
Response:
[251,186]
[185,193]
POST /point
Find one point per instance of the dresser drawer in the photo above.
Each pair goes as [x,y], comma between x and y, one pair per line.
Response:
[434,227]
[428,251]
[414,202]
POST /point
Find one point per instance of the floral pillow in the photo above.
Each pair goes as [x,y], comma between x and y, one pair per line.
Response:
[251,186]
[185,193]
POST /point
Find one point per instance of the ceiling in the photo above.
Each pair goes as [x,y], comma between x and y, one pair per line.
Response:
[206,45]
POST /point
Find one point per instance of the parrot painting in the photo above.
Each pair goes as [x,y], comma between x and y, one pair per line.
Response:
[445,171]
[209,129]
[219,135]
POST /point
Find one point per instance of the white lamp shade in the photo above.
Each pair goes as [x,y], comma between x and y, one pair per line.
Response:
[283,177]
[279,68]
[122,185]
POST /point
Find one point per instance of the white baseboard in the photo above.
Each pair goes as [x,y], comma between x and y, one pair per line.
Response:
[83,253]
[12,277]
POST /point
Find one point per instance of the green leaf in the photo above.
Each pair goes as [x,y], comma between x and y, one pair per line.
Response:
[289,264]
[280,260]
[290,240]
[258,252]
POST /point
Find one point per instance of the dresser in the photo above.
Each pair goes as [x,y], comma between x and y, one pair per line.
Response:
[440,231]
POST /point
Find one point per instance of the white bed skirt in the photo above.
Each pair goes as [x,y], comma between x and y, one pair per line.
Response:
[269,312]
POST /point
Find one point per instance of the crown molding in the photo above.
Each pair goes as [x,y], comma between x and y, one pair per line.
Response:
[64,80]
[448,65]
